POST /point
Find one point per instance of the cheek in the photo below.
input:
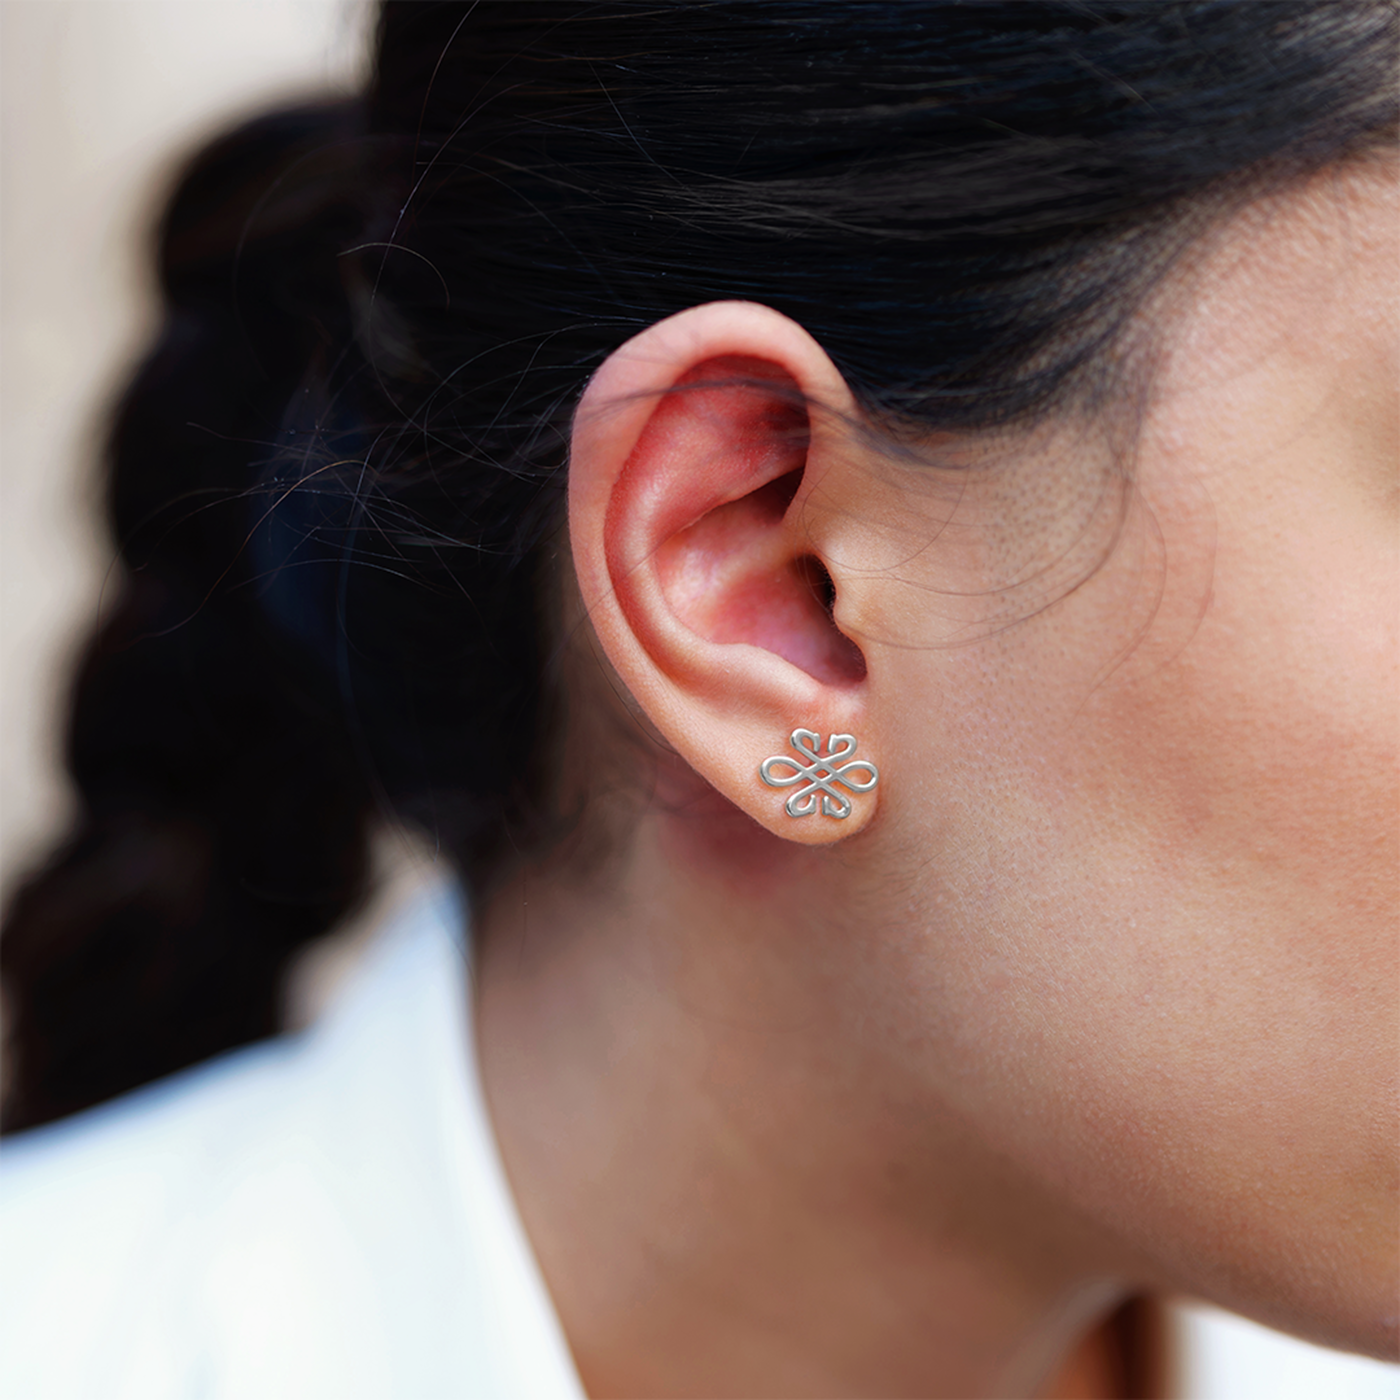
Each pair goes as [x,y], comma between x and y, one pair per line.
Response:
[1154,952]
[1251,783]
[1149,835]
[1262,767]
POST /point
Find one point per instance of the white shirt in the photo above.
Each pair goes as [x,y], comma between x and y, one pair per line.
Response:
[322,1215]
[325,1217]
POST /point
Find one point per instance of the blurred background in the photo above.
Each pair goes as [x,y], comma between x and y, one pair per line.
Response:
[99,101]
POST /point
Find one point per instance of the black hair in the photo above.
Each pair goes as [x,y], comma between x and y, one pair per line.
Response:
[336,480]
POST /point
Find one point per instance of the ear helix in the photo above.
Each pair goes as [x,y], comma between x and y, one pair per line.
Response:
[703,567]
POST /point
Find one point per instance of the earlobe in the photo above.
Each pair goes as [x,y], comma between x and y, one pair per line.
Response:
[695,454]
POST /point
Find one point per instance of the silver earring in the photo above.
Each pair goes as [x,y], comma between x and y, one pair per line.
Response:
[819,774]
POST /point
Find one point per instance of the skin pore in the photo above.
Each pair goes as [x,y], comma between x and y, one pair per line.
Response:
[1097,991]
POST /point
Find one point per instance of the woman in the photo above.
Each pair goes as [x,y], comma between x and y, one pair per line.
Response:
[866,534]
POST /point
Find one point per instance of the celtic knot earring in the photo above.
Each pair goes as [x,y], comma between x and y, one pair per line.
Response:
[819,774]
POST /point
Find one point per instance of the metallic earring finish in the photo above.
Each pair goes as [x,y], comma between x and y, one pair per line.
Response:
[819,774]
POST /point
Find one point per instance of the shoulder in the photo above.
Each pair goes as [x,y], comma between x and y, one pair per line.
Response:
[117,1223]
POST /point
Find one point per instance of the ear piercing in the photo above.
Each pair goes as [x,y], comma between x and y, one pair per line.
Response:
[819,774]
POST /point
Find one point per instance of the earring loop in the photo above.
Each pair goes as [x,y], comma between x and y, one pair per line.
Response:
[819,774]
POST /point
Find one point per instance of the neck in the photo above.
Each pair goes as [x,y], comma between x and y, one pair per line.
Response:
[734,1183]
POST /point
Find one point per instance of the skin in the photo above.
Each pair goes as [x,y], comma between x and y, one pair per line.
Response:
[1097,991]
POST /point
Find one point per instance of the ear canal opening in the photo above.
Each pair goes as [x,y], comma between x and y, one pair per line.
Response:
[841,659]
[818,579]
[835,657]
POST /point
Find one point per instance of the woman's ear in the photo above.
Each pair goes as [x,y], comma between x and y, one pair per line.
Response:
[709,473]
